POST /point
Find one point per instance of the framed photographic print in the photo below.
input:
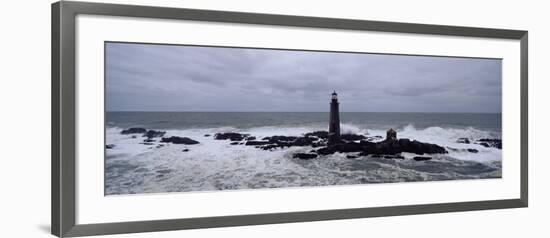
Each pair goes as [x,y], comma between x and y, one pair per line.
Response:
[167,118]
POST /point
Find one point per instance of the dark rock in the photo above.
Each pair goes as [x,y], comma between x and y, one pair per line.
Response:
[133,137]
[318,144]
[420,148]
[148,140]
[386,147]
[393,157]
[185,150]
[234,143]
[344,148]
[318,134]
[421,158]
[206,135]
[133,130]
[232,136]
[472,150]
[280,138]
[352,137]
[304,156]
[147,143]
[484,144]
[109,146]
[179,140]
[495,143]
[251,138]
[152,134]
[352,156]
[463,140]
[303,141]
[256,142]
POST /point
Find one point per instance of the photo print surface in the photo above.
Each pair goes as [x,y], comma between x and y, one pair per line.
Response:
[182,118]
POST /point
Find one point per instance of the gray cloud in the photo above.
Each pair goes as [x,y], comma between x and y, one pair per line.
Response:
[146,77]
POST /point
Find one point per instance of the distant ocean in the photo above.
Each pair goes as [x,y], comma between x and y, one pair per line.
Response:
[132,167]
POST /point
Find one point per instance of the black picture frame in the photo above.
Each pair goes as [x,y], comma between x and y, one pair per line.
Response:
[64,107]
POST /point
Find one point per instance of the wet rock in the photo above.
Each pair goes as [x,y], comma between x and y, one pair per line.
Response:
[148,140]
[303,141]
[280,138]
[352,137]
[386,147]
[179,140]
[206,135]
[318,134]
[185,150]
[133,130]
[393,157]
[472,150]
[305,156]
[232,136]
[463,141]
[352,156]
[251,138]
[421,158]
[344,148]
[495,143]
[234,143]
[147,143]
[255,142]
[109,146]
[152,134]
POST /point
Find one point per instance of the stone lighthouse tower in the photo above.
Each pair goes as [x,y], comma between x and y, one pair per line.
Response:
[334,122]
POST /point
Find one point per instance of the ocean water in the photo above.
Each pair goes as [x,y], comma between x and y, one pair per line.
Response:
[132,167]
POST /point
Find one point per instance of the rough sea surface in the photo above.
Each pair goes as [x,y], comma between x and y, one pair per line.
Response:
[133,167]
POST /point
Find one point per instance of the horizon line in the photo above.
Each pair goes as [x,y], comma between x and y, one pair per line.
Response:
[308,111]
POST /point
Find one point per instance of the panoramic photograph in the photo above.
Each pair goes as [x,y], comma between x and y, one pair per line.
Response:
[183,118]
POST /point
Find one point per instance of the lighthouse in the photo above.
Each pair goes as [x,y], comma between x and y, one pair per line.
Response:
[334,121]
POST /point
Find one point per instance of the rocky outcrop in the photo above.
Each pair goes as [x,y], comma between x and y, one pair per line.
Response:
[134,130]
[495,143]
[232,136]
[255,143]
[152,134]
[179,140]
[386,147]
[352,137]
[463,140]
[421,158]
[318,134]
[305,156]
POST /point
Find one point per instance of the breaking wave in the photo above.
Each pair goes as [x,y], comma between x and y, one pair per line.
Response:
[133,167]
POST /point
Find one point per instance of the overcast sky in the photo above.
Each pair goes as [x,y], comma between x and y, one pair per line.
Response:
[145,77]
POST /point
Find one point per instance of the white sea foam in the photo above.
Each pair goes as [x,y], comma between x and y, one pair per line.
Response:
[212,164]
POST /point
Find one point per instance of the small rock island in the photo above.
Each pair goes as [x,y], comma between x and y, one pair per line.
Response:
[323,142]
